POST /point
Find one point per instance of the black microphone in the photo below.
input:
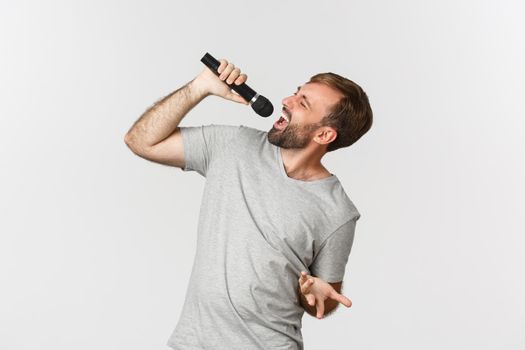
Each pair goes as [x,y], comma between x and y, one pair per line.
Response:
[260,104]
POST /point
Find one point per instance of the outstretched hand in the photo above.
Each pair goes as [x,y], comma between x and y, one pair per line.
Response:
[316,291]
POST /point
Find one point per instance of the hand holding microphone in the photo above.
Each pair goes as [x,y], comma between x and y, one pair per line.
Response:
[218,84]
[230,77]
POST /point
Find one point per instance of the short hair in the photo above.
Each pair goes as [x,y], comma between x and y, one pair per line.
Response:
[352,116]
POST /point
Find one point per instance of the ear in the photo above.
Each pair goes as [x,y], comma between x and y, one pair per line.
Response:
[325,135]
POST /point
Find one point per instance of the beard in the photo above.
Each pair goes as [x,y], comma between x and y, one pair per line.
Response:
[293,136]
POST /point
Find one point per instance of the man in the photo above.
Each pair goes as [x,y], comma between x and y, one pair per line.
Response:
[275,227]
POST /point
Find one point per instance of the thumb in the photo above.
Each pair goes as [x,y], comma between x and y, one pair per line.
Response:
[236,98]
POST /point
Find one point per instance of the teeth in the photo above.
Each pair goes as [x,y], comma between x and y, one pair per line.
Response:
[285,116]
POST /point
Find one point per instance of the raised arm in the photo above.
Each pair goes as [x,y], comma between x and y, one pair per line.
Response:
[156,136]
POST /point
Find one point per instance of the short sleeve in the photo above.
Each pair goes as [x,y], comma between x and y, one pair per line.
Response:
[204,144]
[330,262]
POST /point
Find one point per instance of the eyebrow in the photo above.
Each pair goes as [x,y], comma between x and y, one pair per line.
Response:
[305,99]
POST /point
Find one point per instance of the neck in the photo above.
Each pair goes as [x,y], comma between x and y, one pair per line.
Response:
[304,164]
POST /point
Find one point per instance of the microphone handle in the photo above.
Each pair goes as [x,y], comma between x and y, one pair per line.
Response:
[244,90]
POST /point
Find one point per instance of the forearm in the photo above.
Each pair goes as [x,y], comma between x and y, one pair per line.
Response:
[160,120]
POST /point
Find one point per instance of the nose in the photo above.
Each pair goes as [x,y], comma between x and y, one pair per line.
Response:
[289,101]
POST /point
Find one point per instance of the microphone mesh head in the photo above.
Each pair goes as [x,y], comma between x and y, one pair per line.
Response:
[262,106]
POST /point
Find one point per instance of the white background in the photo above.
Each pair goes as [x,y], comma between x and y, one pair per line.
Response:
[97,244]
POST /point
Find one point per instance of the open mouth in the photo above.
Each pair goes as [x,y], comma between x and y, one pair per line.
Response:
[282,122]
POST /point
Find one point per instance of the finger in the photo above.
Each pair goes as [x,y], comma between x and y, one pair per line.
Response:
[341,298]
[303,285]
[320,308]
[310,298]
[226,72]
[241,79]
[307,285]
[233,75]
[222,65]
[302,278]
[303,275]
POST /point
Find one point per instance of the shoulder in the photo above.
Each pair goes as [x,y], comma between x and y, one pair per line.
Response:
[214,134]
[249,131]
[344,206]
[240,130]
[222,128]
[210,129]
[251,137]
[351,209]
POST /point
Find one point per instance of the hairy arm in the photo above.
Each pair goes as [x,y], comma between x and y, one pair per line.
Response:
[161,119]
[156,136]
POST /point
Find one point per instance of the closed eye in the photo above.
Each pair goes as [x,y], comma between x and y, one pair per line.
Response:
[302,104]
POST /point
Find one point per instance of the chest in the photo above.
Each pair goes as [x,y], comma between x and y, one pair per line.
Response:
[259,201]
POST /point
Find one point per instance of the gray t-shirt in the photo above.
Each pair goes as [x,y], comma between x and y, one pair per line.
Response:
[258,228]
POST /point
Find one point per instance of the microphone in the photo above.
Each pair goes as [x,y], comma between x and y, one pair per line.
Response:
[260,104]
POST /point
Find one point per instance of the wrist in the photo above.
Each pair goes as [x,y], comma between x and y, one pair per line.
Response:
[197,89]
